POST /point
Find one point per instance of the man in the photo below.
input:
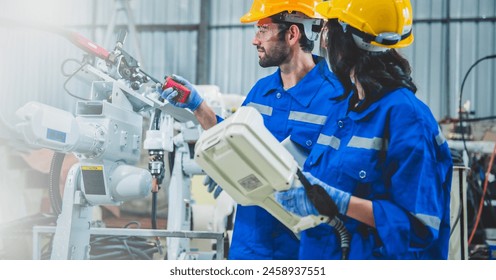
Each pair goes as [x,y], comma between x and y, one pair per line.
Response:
[294,102]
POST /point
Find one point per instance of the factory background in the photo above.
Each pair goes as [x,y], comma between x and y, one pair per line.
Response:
[203,41]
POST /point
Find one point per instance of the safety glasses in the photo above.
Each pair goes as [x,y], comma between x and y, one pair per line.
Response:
[265,31]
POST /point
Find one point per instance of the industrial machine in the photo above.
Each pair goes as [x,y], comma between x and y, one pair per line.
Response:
[472,201]
[472,196]
[105,134]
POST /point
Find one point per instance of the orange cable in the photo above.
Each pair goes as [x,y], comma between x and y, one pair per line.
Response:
[486,181]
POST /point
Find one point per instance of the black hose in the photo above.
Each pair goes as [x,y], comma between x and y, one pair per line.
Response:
[154,210]
[121,247]
[155,125]
[171,158]
[327,207]
[54,186]
[119,252]
[344,236]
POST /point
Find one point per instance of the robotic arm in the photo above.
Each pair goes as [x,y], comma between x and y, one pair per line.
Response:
[105,138]
[105,134]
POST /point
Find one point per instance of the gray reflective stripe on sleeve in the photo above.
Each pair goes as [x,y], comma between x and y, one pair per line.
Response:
[263,109]
[440,138]
[327,140]
[366,143]
[428,220]
[306,117]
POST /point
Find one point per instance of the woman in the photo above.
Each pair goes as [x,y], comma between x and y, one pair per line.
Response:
[382,159]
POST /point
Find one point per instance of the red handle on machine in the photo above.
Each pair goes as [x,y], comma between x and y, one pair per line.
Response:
[87,45]
[183,91]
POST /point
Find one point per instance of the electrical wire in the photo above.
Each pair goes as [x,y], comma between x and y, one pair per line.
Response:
[474,192]
[155,125]
[461,120]
[110,247]
[62,66]
[458,162]
[70,78]
[458,216]
[154,210]
[481,203]
[460,115]
[122,247]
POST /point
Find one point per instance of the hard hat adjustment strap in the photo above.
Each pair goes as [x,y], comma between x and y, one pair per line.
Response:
[385,38]
[312,26]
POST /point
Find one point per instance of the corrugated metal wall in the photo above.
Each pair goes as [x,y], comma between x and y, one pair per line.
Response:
[450,35]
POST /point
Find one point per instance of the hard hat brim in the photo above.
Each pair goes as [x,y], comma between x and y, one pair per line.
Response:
[251,17]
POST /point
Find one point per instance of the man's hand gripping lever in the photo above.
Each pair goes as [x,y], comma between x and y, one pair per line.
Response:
[317,198]
[181,93]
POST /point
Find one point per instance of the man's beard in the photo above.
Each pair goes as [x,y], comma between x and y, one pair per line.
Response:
[275,57]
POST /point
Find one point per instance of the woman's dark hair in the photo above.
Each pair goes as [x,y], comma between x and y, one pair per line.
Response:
[375,71]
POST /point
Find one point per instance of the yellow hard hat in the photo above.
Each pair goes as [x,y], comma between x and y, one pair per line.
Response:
[266,8]
[381,23]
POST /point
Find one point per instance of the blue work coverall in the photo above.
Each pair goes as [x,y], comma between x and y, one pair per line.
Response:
[301,112]
[394,154]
